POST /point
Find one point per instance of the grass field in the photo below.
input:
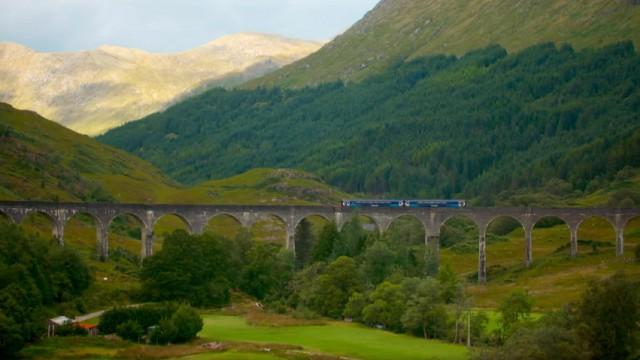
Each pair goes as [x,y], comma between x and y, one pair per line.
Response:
[554,278]
[243,341]
[232,355]
[345,339]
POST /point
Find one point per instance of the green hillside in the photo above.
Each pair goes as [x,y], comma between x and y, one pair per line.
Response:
[41,160]
[45,161]
[407,29]
[489,125]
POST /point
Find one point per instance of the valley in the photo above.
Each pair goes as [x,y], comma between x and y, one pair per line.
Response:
[196,199]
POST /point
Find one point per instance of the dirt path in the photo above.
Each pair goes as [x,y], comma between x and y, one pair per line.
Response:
[88,316]
[95,314]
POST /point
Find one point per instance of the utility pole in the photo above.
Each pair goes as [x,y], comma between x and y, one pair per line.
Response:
[469,329]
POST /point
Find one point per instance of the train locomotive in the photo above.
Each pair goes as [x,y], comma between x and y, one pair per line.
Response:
[393,204]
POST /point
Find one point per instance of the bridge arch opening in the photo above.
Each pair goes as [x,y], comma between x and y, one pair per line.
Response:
[596,236]
[225,225]
[5,218]
[354,236]
[632,237]
[80,233]
[459,236]
[550,235]
[405,237]
[125,238]
[306,236]
[364,222]
[164,226]
[39,223]
[505,245]
[406,230]
[270,228]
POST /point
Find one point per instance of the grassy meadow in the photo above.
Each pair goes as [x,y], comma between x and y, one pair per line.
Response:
[329,340]
[554,278]
[352,340]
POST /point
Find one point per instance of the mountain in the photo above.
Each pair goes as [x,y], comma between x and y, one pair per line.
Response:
[408,29]
[92,91]
[42,160]
[488,125]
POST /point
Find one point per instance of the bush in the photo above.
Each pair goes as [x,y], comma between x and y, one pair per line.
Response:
[70,330]
[145,316]
[187,323]
[130,330]
[163,333]
[637,252]
[172,323]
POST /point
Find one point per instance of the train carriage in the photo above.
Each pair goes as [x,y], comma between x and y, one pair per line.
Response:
[373,203]
[453,204]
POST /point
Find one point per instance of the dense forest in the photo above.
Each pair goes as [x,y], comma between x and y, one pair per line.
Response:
[36,277]
[485,123]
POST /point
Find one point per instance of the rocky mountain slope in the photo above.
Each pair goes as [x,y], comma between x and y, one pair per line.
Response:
[92,91]
[405,29]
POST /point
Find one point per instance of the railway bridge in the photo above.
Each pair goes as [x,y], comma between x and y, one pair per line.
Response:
[197,216]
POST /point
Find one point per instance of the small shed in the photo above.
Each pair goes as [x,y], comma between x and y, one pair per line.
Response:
[55,322]
[91,329]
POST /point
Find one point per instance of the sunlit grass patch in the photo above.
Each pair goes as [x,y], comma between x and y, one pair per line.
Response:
[346,339]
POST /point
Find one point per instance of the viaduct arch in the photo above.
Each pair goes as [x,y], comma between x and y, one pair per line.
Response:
[197,216]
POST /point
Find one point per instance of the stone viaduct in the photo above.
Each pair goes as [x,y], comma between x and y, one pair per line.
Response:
[196,218]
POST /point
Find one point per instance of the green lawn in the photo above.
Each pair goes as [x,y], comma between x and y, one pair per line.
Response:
[232,355]
[336,338]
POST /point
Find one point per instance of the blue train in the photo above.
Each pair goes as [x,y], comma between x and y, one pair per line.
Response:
[356,204]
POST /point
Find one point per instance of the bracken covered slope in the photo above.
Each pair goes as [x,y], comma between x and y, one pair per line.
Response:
[42,160]
[406,29]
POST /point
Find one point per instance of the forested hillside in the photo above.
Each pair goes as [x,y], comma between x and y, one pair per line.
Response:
[407,29]
[547,118]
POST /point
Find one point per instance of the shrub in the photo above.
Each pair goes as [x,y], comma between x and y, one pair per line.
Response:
[145,316]
[163,333]
[70,330]
[187,323]
[172,323]
[130,330]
